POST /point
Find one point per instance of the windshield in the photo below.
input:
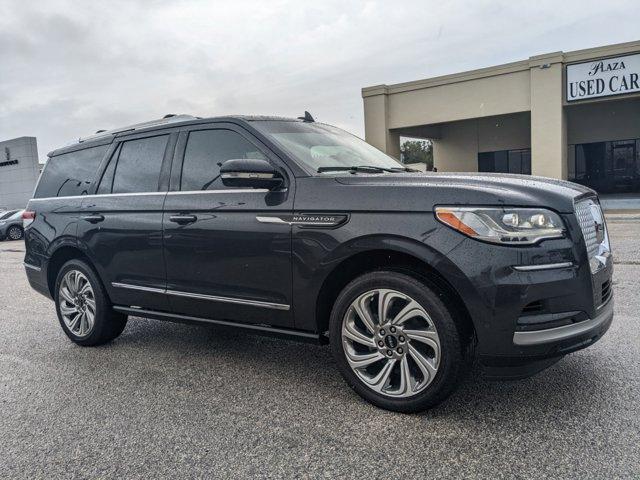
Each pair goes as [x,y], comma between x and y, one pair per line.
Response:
[321,147]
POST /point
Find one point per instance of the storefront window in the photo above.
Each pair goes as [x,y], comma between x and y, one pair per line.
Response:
[608,167]
[505,161]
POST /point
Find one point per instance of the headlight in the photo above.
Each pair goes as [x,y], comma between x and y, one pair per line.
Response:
[3,223]
[508,226]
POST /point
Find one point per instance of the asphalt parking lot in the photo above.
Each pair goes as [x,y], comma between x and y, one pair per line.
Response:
[174,401]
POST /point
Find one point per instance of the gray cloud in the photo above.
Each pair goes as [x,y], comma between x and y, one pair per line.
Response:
[69,68]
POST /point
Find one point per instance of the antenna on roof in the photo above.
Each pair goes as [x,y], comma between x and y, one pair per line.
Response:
[169,115]
[307,117]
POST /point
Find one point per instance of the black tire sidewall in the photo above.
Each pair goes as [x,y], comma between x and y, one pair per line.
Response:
[103,321]
[451,361]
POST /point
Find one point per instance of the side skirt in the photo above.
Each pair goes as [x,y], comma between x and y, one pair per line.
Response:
[285,333]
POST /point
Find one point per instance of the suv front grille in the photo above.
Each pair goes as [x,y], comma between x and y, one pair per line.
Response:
[594,233]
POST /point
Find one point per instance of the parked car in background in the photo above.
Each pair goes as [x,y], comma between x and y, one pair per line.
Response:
[300,230]
[11,225]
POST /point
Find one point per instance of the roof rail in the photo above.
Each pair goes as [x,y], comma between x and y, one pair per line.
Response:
[170,118]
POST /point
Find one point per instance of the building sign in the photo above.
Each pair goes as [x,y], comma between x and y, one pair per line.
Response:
[602,78]
[7,154]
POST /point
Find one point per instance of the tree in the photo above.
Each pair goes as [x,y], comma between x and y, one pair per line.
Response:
[417,151]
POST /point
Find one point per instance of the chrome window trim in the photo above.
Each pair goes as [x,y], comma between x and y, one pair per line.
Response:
[100,195]
[545,266]
[200,296]
[32,267]
[231,190]
[137,194]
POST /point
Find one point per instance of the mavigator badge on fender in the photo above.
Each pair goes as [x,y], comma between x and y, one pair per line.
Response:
[315,220]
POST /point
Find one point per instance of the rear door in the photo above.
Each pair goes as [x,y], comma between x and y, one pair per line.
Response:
[222,261]
[121,224]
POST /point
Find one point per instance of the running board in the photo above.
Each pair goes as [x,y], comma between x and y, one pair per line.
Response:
[286,333]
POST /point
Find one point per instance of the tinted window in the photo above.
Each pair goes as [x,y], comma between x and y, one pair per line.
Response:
[70,174]
[107,177]
[205,152]
[139,163]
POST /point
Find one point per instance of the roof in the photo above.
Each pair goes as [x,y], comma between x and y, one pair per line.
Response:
[103,137]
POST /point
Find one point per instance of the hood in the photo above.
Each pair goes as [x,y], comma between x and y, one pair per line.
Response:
[481,188]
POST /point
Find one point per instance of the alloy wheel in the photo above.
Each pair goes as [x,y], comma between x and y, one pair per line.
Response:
[15,233]
[77,303]
[391,343]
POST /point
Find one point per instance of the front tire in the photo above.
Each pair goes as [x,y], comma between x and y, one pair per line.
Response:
[83,307]
[395,342]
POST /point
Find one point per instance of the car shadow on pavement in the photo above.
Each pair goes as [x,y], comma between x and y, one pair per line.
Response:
[312,370]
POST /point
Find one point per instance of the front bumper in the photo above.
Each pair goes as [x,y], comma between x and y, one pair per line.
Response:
[557,342]
[532,305]
[569,337]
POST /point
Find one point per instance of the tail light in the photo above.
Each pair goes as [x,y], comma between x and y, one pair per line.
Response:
[27,218]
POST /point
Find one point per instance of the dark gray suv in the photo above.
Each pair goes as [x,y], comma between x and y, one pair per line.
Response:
[300,230]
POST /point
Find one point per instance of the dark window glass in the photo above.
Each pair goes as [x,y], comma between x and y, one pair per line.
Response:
[70,174]
[502,161]
[107,177]
[205,152]
[505,161]
[526,162]
[485,162]
[515,161]
[139,164]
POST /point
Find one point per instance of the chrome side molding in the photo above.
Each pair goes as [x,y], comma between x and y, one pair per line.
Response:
[201,296]
[305,219]
[137,287]
[545,266]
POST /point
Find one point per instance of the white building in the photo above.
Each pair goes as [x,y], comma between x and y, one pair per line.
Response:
[19,171]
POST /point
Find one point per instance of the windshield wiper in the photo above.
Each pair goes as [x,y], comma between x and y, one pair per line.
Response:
[354,168]
[403,169]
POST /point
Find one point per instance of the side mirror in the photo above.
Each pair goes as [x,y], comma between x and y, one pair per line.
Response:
[251,173]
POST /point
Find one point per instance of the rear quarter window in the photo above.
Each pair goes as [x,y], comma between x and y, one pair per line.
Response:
[70,174]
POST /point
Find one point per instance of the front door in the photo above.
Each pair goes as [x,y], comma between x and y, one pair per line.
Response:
[222,262]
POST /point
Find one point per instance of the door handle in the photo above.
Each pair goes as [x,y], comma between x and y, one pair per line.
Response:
[183,219]
[93,218]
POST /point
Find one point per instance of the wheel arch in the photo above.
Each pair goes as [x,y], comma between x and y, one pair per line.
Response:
[397,260]
[58,258]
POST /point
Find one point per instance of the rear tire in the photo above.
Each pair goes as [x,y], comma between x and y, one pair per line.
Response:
[83,307]
[408,362]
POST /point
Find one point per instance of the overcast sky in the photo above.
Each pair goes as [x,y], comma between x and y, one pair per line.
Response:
[70,68]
